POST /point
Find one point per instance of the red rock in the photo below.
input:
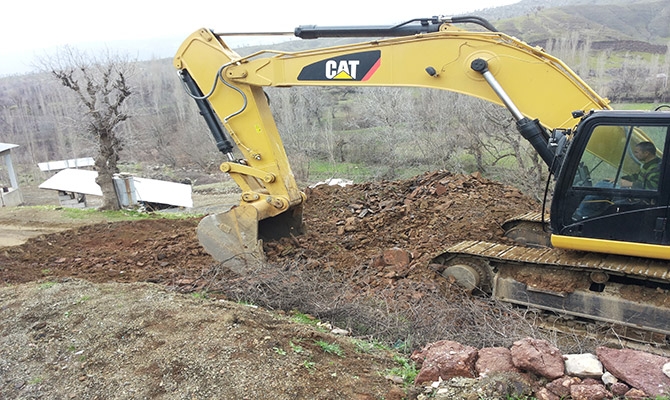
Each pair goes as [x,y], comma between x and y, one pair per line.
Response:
[494,359]
[619,388]
[638,369]
[397,257]
[635,394]
[539,357]
[444,359]
[546,394]
[589,392]
[561,386]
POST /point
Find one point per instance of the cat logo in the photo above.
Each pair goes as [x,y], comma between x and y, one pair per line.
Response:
[349,67]
[344,69]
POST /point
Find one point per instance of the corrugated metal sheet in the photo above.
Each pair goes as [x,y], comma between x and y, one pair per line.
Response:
[74,180]
[146,190]
[62,164]
[7,146]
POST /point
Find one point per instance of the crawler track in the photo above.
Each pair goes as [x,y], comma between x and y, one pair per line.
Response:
[629,293]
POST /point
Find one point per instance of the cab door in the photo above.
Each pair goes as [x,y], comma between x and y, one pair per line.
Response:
[594,197]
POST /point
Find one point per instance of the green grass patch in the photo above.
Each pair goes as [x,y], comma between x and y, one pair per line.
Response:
[321,170]
[369,347]
[120,215]
[330,348]
[47,285]
[200,295]
[79,214]
[309,365]
[228,186]
[635,106]
[405,370]
[305,319]
[296,347]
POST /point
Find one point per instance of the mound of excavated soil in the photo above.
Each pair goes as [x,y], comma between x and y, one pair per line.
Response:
[92,337]
[347,228]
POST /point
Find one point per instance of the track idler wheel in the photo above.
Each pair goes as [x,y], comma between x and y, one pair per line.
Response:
[474,275]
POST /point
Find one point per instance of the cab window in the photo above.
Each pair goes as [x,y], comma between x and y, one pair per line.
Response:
[619,165]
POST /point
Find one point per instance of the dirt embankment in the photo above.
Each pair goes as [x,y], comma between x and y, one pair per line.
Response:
[116,310]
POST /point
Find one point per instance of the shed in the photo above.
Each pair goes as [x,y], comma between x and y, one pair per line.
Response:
[10,194]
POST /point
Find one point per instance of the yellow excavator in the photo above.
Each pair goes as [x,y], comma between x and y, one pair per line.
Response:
[603,253]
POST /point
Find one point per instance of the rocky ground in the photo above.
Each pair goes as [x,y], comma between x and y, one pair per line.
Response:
[116,310]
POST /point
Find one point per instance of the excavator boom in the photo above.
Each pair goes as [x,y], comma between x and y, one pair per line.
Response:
[430,53]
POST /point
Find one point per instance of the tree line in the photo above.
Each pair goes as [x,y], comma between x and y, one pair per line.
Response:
[384,131]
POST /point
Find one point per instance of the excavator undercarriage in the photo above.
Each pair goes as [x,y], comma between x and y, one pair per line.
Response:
[629,294]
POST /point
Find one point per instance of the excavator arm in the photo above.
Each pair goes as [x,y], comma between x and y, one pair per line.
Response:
[430,53]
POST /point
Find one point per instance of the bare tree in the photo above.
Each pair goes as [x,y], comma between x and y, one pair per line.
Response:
[101,87]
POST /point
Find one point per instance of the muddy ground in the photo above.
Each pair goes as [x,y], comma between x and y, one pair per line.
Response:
[116,310]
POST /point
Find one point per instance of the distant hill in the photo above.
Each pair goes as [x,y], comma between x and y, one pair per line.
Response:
[617,24]
[620,25]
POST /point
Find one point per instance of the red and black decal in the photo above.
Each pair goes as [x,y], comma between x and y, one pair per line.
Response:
[349,67]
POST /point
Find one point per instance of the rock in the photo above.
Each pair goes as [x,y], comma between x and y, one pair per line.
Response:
[635,394]
[619,388]
[494,359]
[504,385]
[589,392]
[546,394]
[456,388]
[340,331]
[398,380]
[640,370]
[561,386]
[539,357]
[584,365]
[397,257]
[666,369]
[395,394]
[443,360]
[608,378]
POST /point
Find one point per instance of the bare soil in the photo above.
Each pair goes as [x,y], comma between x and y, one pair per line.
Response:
[116,310]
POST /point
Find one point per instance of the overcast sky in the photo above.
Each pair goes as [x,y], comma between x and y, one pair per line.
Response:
[149,28]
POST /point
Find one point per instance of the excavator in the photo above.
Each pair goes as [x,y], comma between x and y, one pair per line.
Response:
[599,254]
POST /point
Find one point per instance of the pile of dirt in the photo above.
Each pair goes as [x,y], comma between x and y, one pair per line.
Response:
[347,228]
[144,330]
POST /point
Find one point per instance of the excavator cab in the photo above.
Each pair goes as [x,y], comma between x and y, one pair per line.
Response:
[613,192]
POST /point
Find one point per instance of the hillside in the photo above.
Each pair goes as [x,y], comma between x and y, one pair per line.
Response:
[536,22]
[608,22]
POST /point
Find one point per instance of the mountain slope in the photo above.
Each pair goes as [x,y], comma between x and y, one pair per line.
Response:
[614,21]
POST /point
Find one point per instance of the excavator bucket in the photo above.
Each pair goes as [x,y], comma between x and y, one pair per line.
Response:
[235,237]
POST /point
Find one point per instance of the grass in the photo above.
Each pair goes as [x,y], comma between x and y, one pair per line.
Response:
[304,319]
[47,285]
[200,295]
[228,186]
[321,170]
[279,351]
[79,214]
[36,380]
[405,370]
[296,347]
[330,348]
[120,215]
[309,365]
[635,106]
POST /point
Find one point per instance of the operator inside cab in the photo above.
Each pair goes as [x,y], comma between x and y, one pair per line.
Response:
[618,182]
